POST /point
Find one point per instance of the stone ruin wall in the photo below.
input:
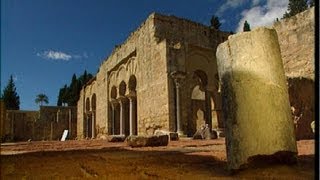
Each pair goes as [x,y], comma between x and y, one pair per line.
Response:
[19,125]
[45,124]
[297,43]
[296,38]
[2,118]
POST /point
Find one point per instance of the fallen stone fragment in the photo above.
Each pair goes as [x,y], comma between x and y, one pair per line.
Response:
[116,138]
[173,135]
[205,133]
[144,141]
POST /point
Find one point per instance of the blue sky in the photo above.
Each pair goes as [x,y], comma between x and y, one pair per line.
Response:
[43,42]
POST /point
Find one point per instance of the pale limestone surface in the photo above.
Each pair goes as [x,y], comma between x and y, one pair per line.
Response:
[255,97]
[296,38]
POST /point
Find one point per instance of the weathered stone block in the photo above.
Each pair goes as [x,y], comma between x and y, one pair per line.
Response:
[143,141]
[255,97]
[172,135]
[205,133]
[116,138]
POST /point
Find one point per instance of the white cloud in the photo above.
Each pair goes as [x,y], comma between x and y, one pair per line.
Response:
[229,4]
[58,55]
[263,15]
[55,55]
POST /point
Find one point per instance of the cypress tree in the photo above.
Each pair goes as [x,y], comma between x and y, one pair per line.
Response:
[246,26]
[215,23]
[295,7]
[10,96]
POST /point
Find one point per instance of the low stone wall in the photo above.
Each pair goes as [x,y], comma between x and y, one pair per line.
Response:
[46,124]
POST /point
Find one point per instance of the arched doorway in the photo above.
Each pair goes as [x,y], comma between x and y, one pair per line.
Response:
[200,103]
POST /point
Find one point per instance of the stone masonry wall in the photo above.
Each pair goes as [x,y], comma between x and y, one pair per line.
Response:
[46,124]
[2,119]
[296,38]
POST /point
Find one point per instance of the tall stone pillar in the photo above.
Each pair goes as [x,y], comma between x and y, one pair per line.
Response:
[132,117]
[178,76]
[122,115]
[113,109]
[255,98]
[93,124]
[70,124]
[208,109]
[87,128]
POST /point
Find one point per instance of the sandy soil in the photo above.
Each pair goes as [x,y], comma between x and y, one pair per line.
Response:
[187,159]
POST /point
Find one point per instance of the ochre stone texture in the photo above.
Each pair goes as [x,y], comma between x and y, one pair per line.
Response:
[296,39]
[46,124]
[19,125]
[2,119]
[134,84]
[255,97]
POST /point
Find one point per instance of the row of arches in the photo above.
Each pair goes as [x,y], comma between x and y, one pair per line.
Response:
[123,108]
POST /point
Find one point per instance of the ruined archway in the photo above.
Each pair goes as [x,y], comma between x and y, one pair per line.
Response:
[200,103]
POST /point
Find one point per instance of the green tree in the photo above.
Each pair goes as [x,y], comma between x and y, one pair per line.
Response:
[311,3]
[42,98]
[246,26]
[73,95]
[10,96]
[69,95]
[295,7]
[215,23]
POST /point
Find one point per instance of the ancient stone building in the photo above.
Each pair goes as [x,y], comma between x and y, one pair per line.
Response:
[164,76]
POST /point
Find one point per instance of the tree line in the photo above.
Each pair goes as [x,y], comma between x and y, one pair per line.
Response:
[69,95]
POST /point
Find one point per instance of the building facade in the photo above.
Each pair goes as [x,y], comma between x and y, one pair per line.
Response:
[164,76]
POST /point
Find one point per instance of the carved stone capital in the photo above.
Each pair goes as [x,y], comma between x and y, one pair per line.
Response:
[178,77]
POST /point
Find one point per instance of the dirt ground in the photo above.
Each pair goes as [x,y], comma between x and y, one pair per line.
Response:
[187,159]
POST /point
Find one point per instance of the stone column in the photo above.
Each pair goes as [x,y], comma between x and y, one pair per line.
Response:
[122,118]
[87,128]
[70,124]
[132,120]
[255,99]
[208,109]
[112,117]
[178,76]
[93,124]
